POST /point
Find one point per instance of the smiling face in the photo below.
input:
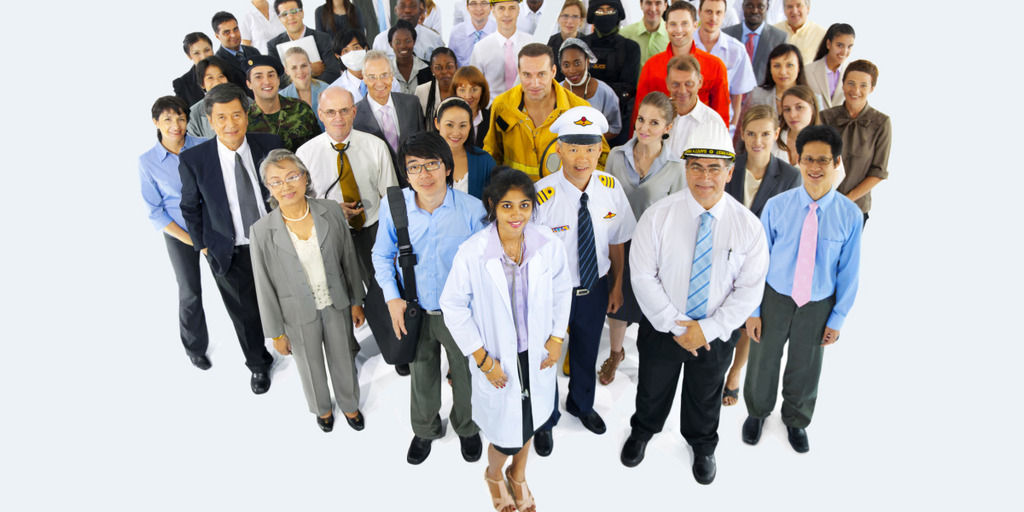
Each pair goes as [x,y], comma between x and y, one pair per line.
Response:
[535,74]
[796,12]
[797,113]
[298,68]
[754,11]
[838,49]
[706,179]
[569,21]
[479,10]
[817,167]
[264,82]
[443,68]
[653,9]
[380,88]
[513,212]
[172,126]
[229,121]
[574,64]
[651,125]
[214,76]
[579,161]
[229,36]
[758,136]
[289,194]
[683,87]
[402,43]
[785,68]
[856,88]
[711,15]
[337,112]
[199,51]
[427,183]
[471,93]
[506,14]
[291,16]
[454,126]
[680,26]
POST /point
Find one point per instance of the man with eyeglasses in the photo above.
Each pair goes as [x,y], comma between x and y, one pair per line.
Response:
[650,31]
[390,116]
[290,12]
[426,39]
[354,169]
[814,237]
[496,54]
[698,260]
[288,118]
[465,35]
[440,219]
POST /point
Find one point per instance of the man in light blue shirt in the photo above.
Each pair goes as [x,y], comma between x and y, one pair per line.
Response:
[440,219]
[465,35]
[814,240]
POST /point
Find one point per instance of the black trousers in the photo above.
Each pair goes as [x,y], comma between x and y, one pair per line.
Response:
[191,318]
[238,290]
[661,361]
[374,306]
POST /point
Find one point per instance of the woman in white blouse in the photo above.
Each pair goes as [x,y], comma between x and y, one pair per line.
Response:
[308,287]
[258,25]
[473,165]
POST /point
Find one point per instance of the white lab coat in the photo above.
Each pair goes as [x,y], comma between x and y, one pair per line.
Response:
[478,312]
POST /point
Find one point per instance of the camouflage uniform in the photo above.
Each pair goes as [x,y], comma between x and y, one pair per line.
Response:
[295,123]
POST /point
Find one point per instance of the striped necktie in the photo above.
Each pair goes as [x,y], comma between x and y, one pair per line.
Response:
[585,246]
[700,272]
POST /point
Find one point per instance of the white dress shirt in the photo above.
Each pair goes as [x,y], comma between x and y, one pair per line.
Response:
[254,27]
[378,114]
[683,126]
[489,57]
[227,169]
[610,214]
[426,41]
[371,165]
[661,256]
[737,64]
[528,20]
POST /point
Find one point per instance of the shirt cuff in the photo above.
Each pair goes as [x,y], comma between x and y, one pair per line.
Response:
[710,330]
[160,220]
[391,292]
[835,321]
[756,313]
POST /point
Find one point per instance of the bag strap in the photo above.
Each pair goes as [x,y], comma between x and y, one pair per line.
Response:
[406,257]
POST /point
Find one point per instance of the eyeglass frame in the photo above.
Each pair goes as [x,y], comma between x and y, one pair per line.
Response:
[291,178]
[426,166]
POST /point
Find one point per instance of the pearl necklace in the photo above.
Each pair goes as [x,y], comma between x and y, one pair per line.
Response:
[298,219]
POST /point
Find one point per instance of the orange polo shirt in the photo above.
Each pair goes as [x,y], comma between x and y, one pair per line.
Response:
[714,92]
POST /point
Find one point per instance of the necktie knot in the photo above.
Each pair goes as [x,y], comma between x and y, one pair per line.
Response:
[340,148]
[813,206]
[584,199]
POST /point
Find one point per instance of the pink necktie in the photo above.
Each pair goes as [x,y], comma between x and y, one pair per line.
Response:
[805,258]
[510,65]
[390,133]
[750,45]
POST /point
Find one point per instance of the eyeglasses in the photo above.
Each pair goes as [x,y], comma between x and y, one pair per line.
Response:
[567,17]
[331,113]
[816,162]
[600,11]
[290,12]
[291,178]
[714,171]
[374,78]
[477,4]
[415,169]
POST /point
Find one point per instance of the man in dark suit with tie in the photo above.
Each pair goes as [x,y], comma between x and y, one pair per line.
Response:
[757,35]
[221,196]
[390,116]
[236,54]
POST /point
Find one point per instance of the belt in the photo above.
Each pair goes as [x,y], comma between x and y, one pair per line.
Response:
[435,312]
[579,292]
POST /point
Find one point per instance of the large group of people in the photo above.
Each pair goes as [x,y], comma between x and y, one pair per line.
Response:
[695,173]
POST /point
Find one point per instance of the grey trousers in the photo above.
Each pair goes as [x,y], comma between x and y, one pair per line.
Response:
[425,371]
[803,327]
[330,335]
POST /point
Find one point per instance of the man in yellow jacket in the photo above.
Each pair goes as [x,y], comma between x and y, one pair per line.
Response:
[519,133]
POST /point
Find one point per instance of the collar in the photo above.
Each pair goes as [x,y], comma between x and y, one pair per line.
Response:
[330,140]
[863,119]
[376,106]
[570,189]
[305,32]
[255,108]
[746,30]
[244,148]
[230,51]
[656,165]
[661,27]
[533,241]
[823,203]
[410,200]
[162,152]
[695,209]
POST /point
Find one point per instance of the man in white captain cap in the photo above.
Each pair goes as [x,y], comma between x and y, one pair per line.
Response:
[588,210]
[698,261]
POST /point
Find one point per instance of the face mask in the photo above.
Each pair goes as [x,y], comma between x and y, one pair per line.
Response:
[583,79]
[353,60]
[605,23]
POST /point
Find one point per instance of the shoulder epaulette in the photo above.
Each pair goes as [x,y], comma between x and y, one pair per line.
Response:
[545,194]
[607,181]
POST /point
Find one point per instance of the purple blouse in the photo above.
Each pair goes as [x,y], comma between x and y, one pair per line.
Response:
[517,286]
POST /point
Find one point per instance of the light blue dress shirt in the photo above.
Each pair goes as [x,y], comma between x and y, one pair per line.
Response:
[317,87]
[463,38]
[435,239]
[161,184]
[757,33]
[837,258]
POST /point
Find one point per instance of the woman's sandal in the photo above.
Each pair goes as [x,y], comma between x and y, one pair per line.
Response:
[526,503]
[730,393]
[607,372]
[502,500]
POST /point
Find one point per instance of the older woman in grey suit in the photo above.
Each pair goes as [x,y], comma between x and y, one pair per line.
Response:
[309,287]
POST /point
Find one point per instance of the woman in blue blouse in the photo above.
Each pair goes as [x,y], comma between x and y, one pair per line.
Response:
[161,190]
[473,165]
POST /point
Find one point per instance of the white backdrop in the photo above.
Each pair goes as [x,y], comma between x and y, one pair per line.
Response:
[104,412]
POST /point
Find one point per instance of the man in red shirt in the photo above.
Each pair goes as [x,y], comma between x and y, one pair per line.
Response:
[681,23]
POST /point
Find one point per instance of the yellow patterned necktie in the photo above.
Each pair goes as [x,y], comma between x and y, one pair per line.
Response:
[347,182]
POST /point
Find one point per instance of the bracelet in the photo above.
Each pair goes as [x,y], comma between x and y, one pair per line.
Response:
[482,361]
[279,337]
[557,339]
[492,367]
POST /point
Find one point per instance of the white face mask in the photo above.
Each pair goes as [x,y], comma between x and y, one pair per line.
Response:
[353,60]
[583,79]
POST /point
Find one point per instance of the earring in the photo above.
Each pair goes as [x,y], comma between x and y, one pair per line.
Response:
[664,136]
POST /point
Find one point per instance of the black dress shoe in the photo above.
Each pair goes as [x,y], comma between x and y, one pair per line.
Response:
[402,369]
[594,423]
[752,429]
[471,447]
[356,423]
[201,362]
[543,442]
[633,451]
[325,424]
[704,469]
[260,382]
[418,450]
[798,439]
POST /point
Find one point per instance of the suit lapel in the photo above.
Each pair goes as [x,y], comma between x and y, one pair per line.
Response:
[320,221]
[214,182]
[258,153]
[280,235]
[768,185]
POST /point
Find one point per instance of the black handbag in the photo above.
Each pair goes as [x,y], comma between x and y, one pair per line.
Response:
[403,350]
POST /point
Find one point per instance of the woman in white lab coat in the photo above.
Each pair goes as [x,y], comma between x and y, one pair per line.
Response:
[506,303]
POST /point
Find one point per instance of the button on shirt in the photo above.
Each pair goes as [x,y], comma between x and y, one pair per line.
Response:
[161,184]
[227,169]
[661,255]
[609,211]
[435,239]
[651,43]
[737,63]
[489,57]
[371,165]
[463,38]
[837,258]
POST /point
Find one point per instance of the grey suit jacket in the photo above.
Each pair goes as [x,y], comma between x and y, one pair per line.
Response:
[778,177]
[817,80]
[770,38]
[281,288]
[410,121]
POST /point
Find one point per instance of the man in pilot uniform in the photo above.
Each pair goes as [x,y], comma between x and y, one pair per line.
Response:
[589,212]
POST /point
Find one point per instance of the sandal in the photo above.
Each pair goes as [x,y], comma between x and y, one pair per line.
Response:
[502,500]
[526,504]
[607,372]
[730,393]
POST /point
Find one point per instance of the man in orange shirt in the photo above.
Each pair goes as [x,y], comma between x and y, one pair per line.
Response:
[681,22]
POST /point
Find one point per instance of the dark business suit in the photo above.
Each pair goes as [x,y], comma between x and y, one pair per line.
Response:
[370,16]
[204,205]
[324,44]
[187,87]
[770,38]
[410,121]
[778,177]
[236,74]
